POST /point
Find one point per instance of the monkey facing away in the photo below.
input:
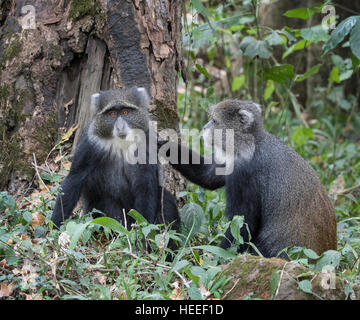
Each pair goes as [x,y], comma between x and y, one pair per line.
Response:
[280,196]
[102,175]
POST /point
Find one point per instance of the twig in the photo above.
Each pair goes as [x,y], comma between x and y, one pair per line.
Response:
[125,225]
[236,282]
[38,174]
[349,189]
[159,265]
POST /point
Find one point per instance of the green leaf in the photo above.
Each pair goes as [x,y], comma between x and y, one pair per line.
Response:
[313,70]
[355,61]
[315,34]
[192,216]
[270,88]
[203,71]
[301,135]
[302,13]
[355,40]
[274,39]
[274,283]
[334,75]
[305,286]
[217,251]
[180,265]
[194,292]
[330,257]
[199,7]
[295,47]
[235,226]
[253,48]
[147,229]
[311,254]
[138,217]
[280,73]
[341,31]
[238,82]
[75,231]
[111,224]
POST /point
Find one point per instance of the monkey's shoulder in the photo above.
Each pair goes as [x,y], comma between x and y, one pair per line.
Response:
[274,158]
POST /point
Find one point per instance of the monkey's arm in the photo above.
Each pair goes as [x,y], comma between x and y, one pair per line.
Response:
[71,187]
[67,198]
[202,174]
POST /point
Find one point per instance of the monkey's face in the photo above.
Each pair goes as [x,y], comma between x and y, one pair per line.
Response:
[242,119]
[120,115]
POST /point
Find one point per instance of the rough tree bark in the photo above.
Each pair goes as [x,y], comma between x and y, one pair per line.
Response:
[77,48]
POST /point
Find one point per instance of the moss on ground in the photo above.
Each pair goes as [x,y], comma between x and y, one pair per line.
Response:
[11,51]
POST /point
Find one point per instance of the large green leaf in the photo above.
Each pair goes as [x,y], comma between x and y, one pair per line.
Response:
[305,286]
[328,258]
[315,34]
[274,39]
[302,13]
[111,224]
[138,217]
[334,75]
[217,251]
[252,48]
[235,226]
[197,4]
[355,40]
[310,72]
[75,231]
[238,82]
[203,71]
[280,73]
[192,216]
[301,135]
[295,47]
[341,31]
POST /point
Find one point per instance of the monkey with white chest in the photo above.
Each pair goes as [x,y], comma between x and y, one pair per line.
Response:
[101,174]
[280,196]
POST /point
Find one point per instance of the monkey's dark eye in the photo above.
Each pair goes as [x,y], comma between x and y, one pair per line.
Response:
[125,112]
[113,114]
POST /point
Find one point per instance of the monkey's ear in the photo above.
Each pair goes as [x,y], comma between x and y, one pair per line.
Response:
[246,117]
[95,103]
[142,95]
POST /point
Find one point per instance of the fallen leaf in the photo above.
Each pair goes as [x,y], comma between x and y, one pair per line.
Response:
[204,293]
[100,278]
[3,264]
[177,293]
[6,290]
[37,219]
[337,186]
[66,165]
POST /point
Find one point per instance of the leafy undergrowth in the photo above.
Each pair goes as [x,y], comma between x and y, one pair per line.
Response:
[100,259]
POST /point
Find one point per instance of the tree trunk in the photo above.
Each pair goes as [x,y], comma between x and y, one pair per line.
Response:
[51,65]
